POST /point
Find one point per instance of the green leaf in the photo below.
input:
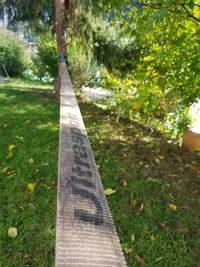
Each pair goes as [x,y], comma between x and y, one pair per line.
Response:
[191,4]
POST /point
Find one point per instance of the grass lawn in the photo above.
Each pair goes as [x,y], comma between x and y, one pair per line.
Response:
[156,204]
[28,155]
[156,207]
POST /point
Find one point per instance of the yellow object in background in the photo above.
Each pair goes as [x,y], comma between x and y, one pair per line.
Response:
[191,140]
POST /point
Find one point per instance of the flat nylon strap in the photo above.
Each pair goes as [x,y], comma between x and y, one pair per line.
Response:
[85,233]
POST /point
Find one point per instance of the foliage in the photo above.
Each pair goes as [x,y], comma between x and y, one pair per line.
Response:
[96,42]
[163,81]
[45,59]
[127,37]
[113,48]
[80,62]
[12,54]
[82,18]
[38,15]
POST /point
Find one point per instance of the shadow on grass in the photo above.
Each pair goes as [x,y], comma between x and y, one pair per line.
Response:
[134,160]
[28,120]
[148,175]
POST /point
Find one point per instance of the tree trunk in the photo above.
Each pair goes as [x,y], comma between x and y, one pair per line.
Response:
[60,27]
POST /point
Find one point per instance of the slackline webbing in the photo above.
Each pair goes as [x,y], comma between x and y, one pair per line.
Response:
[85,232]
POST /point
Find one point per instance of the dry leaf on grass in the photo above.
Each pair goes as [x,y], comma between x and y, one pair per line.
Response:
[31,187]
[109,191]
[134,202]
[153,238]
[172,206]
[133,237]
[5,170]
[128,250]
[124,183]
[140,261]
[30,161]
[12,232]
[10,155]
[11,147]
[158,259]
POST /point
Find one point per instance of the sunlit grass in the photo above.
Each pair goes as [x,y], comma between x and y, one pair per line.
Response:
[148,175]
[28,120]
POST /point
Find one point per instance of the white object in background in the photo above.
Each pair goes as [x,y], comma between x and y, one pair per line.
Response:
[194,111]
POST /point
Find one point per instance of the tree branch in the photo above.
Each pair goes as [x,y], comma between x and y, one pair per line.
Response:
[189,14]
[183,5]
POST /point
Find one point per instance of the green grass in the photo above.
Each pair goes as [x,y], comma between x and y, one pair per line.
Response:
[28,120]
[147,173]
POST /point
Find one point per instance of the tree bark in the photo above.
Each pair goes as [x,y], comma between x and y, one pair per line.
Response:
[60,27]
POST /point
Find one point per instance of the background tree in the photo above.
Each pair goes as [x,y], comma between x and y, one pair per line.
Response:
[61,8]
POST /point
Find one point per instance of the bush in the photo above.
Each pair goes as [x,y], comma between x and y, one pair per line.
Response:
[147,104]
[80,62]
[45,60]
[11,54]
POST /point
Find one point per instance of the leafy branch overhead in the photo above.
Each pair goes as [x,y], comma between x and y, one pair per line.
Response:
[190,7]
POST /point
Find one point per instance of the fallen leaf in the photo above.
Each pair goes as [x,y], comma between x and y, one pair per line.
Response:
[31,187]
[192,168]
[128,250]
[30,161]
[149,179]
[185,231]
[140,261]
[134,202]
[158,259]
[141,207]
[51,185]
[172,206]
[20,137]
[11,147]
[5,169]
[109,191]
[133,237]
[180,169]
[125,183]
[10,155]
[10,172]
[170,195]
[12,232]
[45,163]
[153,238]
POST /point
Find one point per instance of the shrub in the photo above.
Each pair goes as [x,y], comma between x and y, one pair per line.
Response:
[45,59]
[11,54]
[80,62]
